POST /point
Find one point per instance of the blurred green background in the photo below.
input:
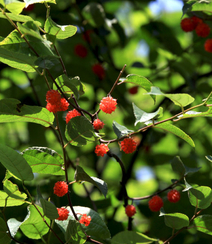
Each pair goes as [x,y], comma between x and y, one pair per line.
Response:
[146,36]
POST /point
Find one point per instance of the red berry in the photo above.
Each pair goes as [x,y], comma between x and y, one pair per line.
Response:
[108,105]
[202,30]
[173,196]
[208,45]
[71,114]
[98,124]
[60,188]
[81,50]
[52,108]
[63,213]
[196,21]
[133,90]
[99,71]
[63,104]
[85,220]
[187,25]
[130,210]
[101,150]
[128,145]
[155,203]
[53,97]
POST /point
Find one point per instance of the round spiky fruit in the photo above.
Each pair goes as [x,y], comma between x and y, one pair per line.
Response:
[60,188]
[108,105]
[63,213]
[173,196]
[101,149]
[155,203]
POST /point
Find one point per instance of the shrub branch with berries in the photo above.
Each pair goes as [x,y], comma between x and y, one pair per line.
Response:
[43,180]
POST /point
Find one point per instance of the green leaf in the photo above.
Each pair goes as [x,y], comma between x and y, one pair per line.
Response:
[187,7]
[28,2]
[70,86]
[19,18]
[178,166]
[15,163]
[204,224]
[142,116]
[180,99]
[11,110]
[131,237]
[139,81]
[194,114]
[49,209]
[13,225]
[6,200]
[4,237]
[33,226]
[120,130]
[176,220]
[167,126]
[81,175]
[60,31]
[95,14]
[200,197]
[14,6]
[203,6]
[79,131]
[16,53]
[97,229]
[44,160]
[47,62]
[74,233]
[13,191]
[187,186]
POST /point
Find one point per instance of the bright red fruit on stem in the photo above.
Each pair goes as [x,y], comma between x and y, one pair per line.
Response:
[81,50]
[99,71]
[187,25]
[98,124]
[208,45]
[63,213]
[202,30]
[85,220]
[155,203]
[60,188]
[71,114]
[128,145]
[53,97]
[173,196]
[130,210]
[108,105]
[101,150]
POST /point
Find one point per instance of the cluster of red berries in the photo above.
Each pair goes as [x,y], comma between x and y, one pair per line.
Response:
[71,114]
[60,188]
[85,220]
[55,103]
[156,202]
[202,29]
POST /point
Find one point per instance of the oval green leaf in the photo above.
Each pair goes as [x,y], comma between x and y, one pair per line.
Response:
[200,197]
[204,224]
[176,220]
[120,130]
[15,163]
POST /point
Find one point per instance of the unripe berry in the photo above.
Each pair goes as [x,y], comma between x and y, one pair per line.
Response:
[187,25]
[71,114]
[63,213]
[98,124]
[108,105]
[130,210]
[60,188]
[85,220]
[155,203]
[128,145]
[208,45]
[81,50]
[101,150]
[99,71]
[202,30]
[173,196]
